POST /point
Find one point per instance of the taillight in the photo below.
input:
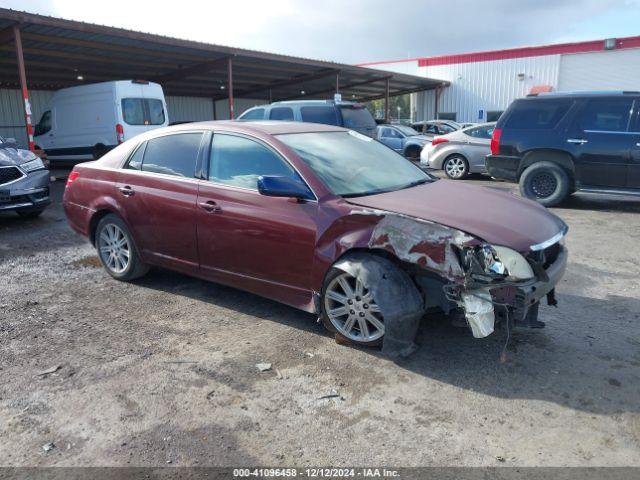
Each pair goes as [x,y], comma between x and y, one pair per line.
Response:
[438,141]
[495,141]
[73,176]
[119,133]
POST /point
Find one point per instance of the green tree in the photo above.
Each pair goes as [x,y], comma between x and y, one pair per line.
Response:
[376,107]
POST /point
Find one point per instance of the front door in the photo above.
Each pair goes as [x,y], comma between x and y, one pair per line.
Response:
[633,180]
[259,243]
[601,143]
[158,192]
[392,138]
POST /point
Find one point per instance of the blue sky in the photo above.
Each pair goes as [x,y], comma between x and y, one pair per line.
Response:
[355,31]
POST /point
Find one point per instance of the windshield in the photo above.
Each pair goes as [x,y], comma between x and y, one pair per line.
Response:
[353,165]
[407,130]
[357,117]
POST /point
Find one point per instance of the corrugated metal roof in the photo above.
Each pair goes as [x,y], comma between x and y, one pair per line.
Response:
[57,51]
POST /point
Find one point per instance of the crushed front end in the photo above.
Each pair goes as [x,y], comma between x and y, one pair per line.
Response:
[501,284]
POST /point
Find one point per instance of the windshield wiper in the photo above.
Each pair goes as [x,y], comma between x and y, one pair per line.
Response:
[387,190]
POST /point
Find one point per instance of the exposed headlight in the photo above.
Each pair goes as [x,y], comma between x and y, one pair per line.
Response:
[496,262]
[33,165]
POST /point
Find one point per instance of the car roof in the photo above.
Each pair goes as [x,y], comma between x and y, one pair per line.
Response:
[595,93]
[269,127]
[310,103]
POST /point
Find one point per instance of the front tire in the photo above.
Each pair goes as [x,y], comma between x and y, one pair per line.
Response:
[456,167]
[413,154]
[349,309]
[117,251]
[545,182]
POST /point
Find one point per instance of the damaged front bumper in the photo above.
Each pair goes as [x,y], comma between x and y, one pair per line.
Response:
[511,301]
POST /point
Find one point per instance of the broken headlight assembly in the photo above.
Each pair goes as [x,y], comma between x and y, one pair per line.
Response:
[490,262]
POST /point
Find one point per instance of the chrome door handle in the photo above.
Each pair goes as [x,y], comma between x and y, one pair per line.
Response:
[210,206]
[127,191]
[578,141]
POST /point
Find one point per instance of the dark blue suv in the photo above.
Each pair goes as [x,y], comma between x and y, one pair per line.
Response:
[556,144]
[353,116]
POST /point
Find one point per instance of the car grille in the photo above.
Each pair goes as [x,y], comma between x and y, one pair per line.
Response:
[9,174]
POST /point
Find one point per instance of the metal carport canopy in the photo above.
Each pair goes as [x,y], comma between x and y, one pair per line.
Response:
[57,51]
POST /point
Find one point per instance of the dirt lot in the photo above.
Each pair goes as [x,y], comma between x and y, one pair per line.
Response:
[163,371]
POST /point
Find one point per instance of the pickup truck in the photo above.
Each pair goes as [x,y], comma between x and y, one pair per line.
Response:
[404,140]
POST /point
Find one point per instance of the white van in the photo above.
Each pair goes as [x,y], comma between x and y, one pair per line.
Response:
[85,122]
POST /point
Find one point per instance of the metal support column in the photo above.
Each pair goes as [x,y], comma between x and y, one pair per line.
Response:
[230,87]
[338,82]
[23,86]
[386,101]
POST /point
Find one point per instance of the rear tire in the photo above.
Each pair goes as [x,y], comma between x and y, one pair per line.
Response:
[117,251]
[545,182]
[456,167]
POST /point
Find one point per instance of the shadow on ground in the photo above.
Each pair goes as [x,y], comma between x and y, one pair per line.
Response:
[563,364]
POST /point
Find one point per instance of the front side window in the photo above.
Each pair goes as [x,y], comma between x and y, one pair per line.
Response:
[172,154]
[143,111]
[239,161]
[324,115]
[351,164]
[253,114]
[606,115]
[44,125]
[281,113]
[390,133]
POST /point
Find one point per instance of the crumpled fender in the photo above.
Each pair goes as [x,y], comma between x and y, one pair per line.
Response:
[395,294]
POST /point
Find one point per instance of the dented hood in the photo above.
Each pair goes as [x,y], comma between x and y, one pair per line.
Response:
[494,216]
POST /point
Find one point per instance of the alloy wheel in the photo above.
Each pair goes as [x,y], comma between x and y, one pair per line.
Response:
[114,248]
[352,310]
[455,167]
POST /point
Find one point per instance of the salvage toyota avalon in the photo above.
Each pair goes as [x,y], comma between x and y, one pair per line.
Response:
[321,218]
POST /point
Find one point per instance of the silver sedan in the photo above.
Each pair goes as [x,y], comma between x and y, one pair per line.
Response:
[459,153]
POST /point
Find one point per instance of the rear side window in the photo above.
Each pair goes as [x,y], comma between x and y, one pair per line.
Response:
[538,114]
[172,154]
[324,115]
[480,132]
[606,114]
[357,118]
[135,161]
[281,113]
[255,114]
[239,161]
[143,111]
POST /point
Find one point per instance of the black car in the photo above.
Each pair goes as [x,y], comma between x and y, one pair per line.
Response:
[24,181]
[556,144]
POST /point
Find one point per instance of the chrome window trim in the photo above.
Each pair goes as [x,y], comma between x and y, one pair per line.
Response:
[612,132]
[547,243]
[24,174]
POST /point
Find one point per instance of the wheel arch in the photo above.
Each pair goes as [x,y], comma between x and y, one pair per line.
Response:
[560,157]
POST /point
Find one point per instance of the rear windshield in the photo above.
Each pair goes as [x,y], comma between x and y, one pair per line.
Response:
[143,111]
[537,114]
[357,118]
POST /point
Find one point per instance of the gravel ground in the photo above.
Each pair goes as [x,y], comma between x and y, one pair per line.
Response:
[162,371]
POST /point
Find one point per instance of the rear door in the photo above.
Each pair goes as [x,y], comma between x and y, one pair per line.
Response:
[158,191]
[260,243]
[477,146]
[600,141]
[633,180]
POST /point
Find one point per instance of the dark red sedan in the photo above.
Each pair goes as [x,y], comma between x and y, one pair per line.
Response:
[320,218]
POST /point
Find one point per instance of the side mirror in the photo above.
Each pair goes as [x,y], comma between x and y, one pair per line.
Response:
[278,186]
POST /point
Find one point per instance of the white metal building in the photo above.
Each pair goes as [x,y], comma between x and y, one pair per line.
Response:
[483,84]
